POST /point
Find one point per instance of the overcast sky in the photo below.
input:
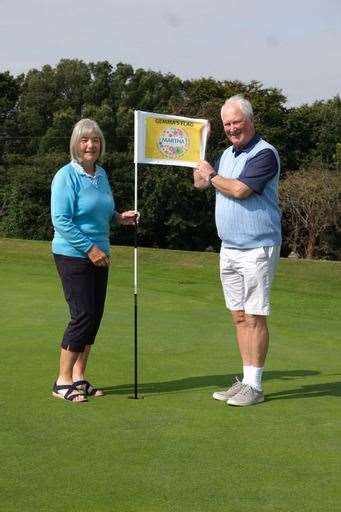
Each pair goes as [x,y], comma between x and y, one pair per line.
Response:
[293,45]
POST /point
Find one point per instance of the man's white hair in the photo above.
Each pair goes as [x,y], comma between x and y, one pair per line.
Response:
[244,105]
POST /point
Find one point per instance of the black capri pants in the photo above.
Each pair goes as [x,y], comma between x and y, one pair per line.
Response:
[85,287]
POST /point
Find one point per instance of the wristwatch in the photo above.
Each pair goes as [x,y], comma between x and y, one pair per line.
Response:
[211,176]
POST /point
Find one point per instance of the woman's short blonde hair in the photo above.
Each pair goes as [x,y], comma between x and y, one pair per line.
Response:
[82,129]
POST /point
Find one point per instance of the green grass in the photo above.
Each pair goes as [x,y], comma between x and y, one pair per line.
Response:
[177,450]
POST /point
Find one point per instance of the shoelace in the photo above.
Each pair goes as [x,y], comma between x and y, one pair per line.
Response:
[247,389]
[237,383]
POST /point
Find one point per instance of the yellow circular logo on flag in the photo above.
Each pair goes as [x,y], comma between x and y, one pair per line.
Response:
[173,142]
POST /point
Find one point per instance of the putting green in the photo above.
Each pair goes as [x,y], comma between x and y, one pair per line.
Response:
[177,450]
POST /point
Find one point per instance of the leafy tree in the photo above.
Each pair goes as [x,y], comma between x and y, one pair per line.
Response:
[143,90]
[25,198]
[173,213]
[313,133]
[57,137]
[99,89]
[73,81]
[9,94]
[311,210]
[46,92]
[327,133]
[338,156]
[38,110]
[36,107]
[120,78]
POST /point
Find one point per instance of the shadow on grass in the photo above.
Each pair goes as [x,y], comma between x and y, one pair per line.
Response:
[206,381]
[309,391]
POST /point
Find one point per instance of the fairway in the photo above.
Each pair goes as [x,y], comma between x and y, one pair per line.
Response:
[177,450]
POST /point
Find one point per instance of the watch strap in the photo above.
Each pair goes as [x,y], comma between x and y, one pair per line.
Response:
[211,176]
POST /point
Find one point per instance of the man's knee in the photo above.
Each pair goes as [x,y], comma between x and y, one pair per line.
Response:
[238,317]
[254,321]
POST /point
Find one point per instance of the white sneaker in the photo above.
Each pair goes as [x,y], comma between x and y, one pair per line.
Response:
[223,396]
[246,396]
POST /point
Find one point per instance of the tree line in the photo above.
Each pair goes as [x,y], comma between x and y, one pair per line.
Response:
[38,110]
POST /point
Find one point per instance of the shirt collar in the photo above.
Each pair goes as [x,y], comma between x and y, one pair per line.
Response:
[248,147]
[81,171]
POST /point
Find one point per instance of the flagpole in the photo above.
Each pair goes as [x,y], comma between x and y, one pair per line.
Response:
[161,158]
[135,296]
[135,395]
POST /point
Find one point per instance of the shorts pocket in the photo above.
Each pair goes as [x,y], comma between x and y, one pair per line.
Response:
[261,254]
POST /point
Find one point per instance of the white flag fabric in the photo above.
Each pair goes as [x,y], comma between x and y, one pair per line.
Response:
[169,140]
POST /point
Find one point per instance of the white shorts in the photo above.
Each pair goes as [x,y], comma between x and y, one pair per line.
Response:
[246,276]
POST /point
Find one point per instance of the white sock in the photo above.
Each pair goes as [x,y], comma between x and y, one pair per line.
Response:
[247,374]
[256,378]
[253,377]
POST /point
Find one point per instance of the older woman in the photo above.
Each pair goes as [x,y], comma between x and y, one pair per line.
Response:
[82,208]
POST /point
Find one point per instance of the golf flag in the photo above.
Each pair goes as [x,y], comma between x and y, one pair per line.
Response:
[164,140]
[169,140]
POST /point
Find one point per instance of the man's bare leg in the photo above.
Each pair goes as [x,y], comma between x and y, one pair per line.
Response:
[253,341]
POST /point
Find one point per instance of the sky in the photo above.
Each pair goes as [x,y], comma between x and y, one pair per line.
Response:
[293,45]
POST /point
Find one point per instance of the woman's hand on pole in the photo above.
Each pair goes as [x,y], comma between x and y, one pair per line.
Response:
[128,218]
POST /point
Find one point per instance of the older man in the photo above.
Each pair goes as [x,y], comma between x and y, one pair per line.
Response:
[248,223]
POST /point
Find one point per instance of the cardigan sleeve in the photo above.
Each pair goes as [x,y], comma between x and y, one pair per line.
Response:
[63,197]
